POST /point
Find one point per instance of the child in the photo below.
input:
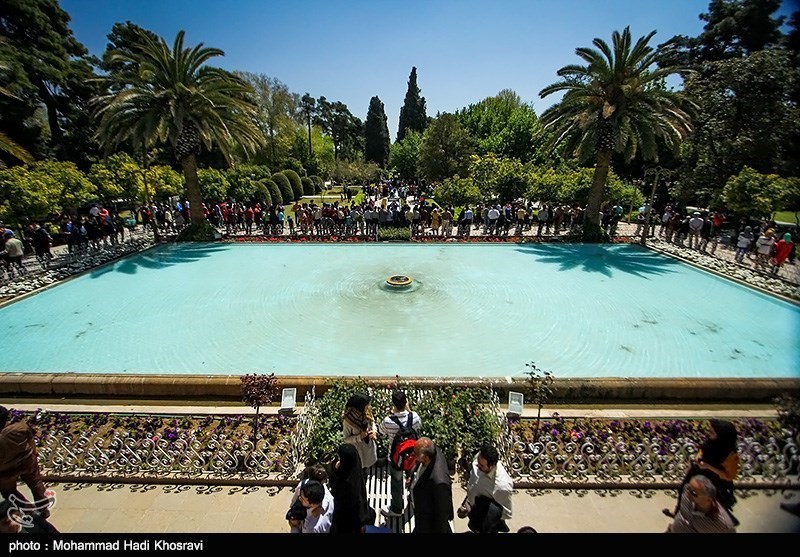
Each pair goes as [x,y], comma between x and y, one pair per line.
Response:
[743,244]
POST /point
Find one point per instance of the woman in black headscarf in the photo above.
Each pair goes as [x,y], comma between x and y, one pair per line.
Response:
[351,510]
[718,460]
[359,429]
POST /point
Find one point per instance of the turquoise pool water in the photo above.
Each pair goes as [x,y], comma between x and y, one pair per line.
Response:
[478,311]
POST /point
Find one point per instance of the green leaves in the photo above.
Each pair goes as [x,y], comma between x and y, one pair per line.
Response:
[404,155]
[376,134]
[446,147]
[457,191]
[413,117]
[751,193]
[42,189]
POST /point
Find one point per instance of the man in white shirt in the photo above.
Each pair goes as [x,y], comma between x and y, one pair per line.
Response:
[493,215]
[318,502]
[543,215]
[390,427]
[695,226]
[488,501]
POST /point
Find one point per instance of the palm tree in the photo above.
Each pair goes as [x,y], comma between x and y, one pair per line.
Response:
[615,104]
[171,96]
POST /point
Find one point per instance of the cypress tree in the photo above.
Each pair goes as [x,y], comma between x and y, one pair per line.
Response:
[376,134]
[413,115]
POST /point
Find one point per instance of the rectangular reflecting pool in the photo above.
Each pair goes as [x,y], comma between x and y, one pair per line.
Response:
[472,310]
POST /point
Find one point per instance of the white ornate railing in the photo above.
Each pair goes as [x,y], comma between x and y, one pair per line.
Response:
[275,456]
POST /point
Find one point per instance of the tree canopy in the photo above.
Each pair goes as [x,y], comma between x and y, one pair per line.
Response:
[376,134]
[413,115]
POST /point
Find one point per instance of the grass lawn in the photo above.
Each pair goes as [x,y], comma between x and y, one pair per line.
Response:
[786,216]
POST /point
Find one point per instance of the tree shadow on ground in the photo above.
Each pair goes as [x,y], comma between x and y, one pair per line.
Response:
[160,258]
[603,259]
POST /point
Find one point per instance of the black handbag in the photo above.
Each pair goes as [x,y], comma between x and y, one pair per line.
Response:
[297,511]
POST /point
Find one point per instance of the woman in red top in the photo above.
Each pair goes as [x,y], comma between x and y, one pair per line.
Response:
[782,250]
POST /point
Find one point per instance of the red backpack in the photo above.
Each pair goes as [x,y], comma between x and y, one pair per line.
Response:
[401,451]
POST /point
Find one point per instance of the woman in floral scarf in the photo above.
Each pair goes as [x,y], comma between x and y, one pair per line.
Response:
[359,428]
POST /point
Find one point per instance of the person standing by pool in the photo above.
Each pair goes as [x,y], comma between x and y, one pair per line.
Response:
[447,222]
[782,250]
[743,243]
[488,500]
[359,428]
[390,426]
[351,510]
[764,247]
[14,250]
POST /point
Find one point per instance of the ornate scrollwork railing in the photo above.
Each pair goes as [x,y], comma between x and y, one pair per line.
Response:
[280,450]
[615,460]
[273,455]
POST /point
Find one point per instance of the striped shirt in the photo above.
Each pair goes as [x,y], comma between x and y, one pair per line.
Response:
[691,520]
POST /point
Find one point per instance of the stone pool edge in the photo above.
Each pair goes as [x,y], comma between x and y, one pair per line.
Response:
[228,387]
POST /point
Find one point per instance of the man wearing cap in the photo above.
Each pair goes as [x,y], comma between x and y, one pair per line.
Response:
[19,460]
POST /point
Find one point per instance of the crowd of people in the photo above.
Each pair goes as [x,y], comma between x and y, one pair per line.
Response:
[400,204]
[340,503]
[82,235]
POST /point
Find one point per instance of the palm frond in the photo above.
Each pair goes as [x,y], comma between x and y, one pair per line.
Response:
[14,149]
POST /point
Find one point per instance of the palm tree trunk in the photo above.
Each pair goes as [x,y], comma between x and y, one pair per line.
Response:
[189,164]
[310,154]
[591,218]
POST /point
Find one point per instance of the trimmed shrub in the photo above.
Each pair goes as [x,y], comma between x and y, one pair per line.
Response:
[275,193]
[318,183]
[197,233]
[284,186]
[394,234]
[262,194]
[308,185]
[294,181]
[243,180]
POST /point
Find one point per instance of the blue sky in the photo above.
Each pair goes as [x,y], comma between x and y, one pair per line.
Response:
[349,51]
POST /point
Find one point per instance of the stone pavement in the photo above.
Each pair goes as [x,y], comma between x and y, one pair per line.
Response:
[118,508]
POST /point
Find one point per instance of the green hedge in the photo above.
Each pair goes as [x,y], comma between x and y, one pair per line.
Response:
[318,183]
[308,185]
[294,181]
[387,234]
[458,420]
[274,192]
[262,194]
[286,188]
